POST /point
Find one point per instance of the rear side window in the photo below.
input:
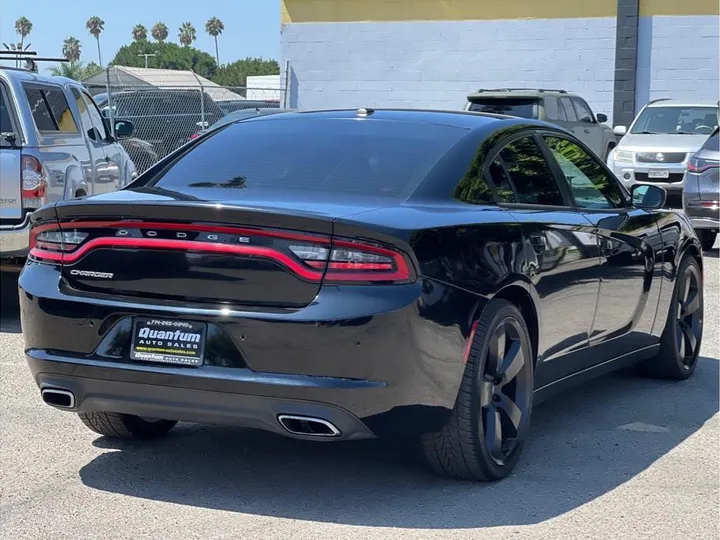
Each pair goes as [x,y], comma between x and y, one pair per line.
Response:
[552,109]
[5,123]
[568,109]
[50,110]
[361,157]
[521,175]
[522,107]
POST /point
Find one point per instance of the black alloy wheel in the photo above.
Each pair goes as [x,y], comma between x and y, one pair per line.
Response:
[688,316]
[484,436]
[682,337]
[505,391]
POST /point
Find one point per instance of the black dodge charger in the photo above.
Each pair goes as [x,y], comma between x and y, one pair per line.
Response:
[342,275]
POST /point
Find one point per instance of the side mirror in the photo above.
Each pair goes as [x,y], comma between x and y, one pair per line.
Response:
[124,129]
[647,196]
[620,130]
[601,118]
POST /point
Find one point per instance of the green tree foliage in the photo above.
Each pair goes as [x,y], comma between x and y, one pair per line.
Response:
[23,26]
[139,32]
[169,56]
[76,70]
[186,34]
[160,31]
[71,49]
[236,74]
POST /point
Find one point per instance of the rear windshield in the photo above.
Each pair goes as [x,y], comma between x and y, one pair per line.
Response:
[713,142]
[364,157]
[522,107]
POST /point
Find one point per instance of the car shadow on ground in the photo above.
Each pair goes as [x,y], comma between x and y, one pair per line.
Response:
[583,444]
[9,303]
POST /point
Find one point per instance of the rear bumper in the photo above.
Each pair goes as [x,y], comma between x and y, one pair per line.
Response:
[15,240]
[380,363]
[703,217]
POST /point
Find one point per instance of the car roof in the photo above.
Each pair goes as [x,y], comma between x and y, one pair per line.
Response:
[682,103]
[461,119]
[518,92]
[30,76]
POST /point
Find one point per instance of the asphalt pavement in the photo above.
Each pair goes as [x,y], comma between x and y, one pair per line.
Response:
[620,458]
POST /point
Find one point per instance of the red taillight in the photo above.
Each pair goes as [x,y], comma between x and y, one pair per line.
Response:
[310,257]
[34,182]
[698,166]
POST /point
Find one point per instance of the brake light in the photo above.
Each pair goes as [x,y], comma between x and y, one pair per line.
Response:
[311,257]
[34,182]
[698,166]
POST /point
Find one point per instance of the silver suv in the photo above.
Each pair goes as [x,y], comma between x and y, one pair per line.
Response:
[54,145]
[656,148]
[701,195]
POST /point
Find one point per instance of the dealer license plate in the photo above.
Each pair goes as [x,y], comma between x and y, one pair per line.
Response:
[168,341]
[659,173]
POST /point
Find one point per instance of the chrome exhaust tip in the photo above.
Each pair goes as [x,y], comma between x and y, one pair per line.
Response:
[62,399]
[308,426]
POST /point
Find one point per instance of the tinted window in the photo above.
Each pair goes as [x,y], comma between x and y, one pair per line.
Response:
[371,157]
[95,117]
[583,111]
[568,109]
[713,142]
[524,108]
[50,110]
[5,124]
[552,109]
[84,115]
[678,120]
[590,184]
[528,173]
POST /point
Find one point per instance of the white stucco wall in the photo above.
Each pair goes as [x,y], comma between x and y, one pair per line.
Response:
[436,64]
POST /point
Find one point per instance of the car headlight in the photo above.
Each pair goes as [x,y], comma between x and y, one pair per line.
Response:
[624,156]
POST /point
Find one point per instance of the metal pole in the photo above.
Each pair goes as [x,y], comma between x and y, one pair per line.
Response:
[202,100]
[287,83]
[110,101]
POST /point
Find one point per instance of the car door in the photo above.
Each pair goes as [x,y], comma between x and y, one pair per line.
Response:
[115,160]
[561,248]
[630,249]
[588,130]
[100,177]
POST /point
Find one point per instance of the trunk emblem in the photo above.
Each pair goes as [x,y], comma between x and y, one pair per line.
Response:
[92,274]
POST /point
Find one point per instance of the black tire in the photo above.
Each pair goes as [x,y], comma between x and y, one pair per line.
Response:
[125,426]
[460,449]
[707,239]
[682,337]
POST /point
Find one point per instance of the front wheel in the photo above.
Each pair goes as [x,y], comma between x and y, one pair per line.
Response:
[486,431]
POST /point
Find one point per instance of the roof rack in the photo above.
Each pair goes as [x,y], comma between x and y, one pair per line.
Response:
[30,58]
[519,89]
[658,99]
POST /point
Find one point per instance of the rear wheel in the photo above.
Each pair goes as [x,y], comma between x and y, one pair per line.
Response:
[682,337]
[707,239]
[486,431]
[126,426]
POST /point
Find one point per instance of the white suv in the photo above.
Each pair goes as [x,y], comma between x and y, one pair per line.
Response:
[661,139]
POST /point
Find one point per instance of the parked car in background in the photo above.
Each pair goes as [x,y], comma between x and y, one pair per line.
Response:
[242,114]
[657,146]
[701,194]
[342,275]
[54,146]
[232,106]
[164,118]
[567,110]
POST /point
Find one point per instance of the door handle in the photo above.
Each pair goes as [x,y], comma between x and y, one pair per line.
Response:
[587,130]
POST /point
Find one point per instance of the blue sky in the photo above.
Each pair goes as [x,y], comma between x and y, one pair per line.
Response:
[252,27]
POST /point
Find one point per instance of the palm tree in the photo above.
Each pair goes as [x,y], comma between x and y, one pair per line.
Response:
[160,32]
[139,33]
[96,25]
[215,27]
[71,49]
[187,34]
[23,26]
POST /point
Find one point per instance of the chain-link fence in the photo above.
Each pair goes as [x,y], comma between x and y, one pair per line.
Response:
[168,108]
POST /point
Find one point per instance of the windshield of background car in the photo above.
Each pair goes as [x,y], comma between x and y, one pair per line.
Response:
[521,107]
[677,120]
[350,156]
